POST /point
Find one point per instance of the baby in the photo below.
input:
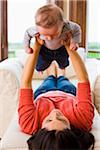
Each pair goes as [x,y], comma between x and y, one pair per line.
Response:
[53,29]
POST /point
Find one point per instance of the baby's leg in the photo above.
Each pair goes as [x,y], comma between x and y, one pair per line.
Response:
[51,70]
[60,72]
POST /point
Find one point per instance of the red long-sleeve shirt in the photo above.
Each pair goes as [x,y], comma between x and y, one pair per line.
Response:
[79,110]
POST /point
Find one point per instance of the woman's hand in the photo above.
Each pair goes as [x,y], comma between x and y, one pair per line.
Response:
[69,43]
[38,43]
[66,42]
[38,40]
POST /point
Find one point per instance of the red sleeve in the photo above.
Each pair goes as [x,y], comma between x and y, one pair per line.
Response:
[83,105]
[27,111]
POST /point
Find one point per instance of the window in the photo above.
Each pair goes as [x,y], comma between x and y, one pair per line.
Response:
[93,29]
[20,17]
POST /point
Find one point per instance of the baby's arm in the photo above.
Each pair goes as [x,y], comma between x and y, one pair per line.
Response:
[29,34]
[76,35]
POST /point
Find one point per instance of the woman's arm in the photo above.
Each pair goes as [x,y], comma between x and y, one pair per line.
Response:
[28,115]
[83,106]
[26,80]
[78,65]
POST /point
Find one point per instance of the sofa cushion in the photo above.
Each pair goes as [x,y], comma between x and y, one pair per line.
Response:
[16,140]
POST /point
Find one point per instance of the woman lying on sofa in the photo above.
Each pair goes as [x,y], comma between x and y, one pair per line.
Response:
[57,115]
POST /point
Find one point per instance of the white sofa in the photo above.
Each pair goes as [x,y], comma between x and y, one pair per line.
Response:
[10,75]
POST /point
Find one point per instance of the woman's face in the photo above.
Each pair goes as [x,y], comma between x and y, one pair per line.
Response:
[56,121]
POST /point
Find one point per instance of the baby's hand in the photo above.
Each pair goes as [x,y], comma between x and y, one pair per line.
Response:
[73,46]
[28,50]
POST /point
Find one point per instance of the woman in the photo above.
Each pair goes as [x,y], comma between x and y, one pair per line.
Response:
[60,117]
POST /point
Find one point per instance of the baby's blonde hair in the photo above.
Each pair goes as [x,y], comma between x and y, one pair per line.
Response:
[48,15]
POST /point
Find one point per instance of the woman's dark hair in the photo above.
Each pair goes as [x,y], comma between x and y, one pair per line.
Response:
[74,139]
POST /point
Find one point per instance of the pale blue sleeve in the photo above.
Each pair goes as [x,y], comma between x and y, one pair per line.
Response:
[76,31]
[29,34]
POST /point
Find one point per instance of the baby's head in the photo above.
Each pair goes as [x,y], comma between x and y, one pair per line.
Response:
[48,15]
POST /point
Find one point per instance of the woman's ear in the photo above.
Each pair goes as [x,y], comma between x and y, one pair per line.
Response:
[86,139]
[31,143]
[92,141]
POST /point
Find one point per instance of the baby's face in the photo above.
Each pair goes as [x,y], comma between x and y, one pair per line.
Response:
[50,33]
[56,121]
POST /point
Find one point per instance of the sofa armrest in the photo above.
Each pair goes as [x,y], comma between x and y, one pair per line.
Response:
[93,68]
[96,92]
[14,139]
[12,65]
[10,74]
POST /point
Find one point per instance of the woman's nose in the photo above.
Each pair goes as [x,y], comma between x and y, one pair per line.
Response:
[55,115]
[48,38]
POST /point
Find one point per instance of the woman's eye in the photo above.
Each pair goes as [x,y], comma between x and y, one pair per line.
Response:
[49,120]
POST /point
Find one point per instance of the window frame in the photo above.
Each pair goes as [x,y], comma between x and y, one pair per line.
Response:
[78,13]
[3,31]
